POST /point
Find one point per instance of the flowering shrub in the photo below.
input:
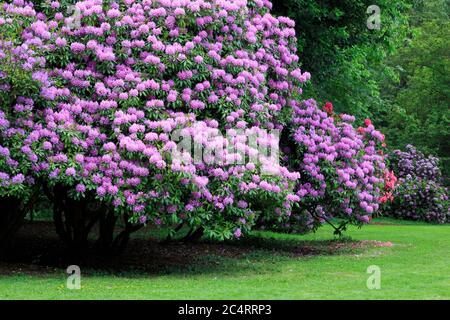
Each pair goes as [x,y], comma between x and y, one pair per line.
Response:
[114,87]
[341,167]
[419,194]
[18,92]
[115,80]
[414,163]
[420,199]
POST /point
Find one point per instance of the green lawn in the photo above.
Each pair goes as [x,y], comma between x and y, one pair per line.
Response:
[417,266]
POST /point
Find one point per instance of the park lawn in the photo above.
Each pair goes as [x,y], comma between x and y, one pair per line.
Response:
[417,266]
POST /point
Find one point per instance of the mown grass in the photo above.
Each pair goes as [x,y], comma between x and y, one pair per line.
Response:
[271,266]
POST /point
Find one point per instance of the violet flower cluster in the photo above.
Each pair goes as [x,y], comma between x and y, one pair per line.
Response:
[414,163]
[420,194]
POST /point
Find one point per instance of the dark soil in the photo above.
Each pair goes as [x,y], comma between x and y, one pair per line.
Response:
[37,248]
[38,251]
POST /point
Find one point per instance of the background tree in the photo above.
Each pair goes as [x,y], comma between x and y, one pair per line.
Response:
[419,98]
[344,56]
[397,76]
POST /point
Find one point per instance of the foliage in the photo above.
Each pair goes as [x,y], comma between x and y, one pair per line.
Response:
[347,59]
[420,98]
[397,76]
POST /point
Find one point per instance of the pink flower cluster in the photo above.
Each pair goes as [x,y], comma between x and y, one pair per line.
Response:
[390,182]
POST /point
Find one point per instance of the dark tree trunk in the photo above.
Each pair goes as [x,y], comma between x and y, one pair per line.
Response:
[194,235]
[74,220]
[12,215]
[107,225]
[120,242]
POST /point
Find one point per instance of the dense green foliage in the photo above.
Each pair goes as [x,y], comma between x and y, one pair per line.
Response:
[344,57]
[420,97]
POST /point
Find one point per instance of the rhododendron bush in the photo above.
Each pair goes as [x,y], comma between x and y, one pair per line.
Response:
[420,194]
[18,93]
[97,95]
[342,168]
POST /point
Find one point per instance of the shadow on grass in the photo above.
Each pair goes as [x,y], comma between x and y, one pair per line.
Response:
[38,251]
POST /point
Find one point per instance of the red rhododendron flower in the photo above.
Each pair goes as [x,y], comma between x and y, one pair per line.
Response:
[328,108]
[386,197]
[367,122]
[390,180]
